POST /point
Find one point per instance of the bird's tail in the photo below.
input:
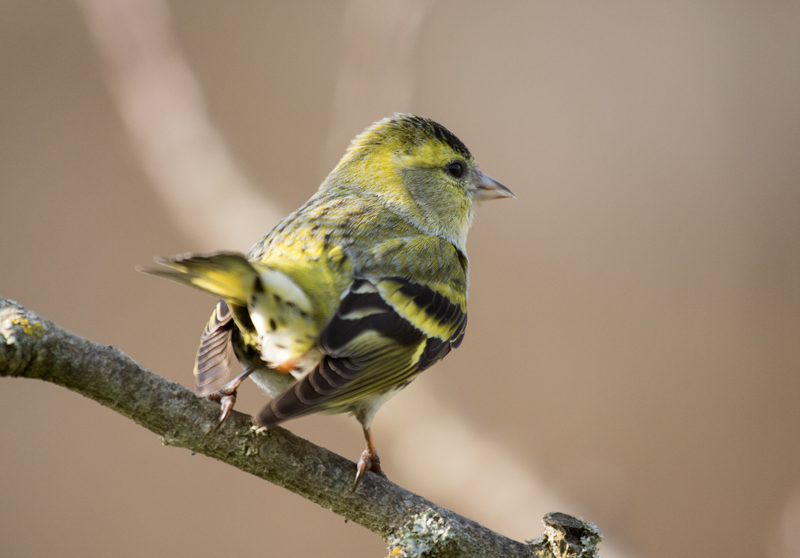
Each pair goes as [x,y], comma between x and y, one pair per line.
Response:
[227,275]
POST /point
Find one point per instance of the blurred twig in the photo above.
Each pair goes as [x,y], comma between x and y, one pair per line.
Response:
[376,74]
[164,111]
[32,347]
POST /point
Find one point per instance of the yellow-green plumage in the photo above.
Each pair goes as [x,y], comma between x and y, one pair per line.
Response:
[352,295]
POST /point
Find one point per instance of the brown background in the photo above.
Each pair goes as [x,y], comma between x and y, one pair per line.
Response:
[634,315]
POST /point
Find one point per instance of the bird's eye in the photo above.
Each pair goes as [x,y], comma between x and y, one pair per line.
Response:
[455,169]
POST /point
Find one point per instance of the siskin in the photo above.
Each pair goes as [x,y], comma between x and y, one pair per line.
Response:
[347,299]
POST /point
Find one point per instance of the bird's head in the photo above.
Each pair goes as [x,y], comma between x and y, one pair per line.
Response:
[420,170]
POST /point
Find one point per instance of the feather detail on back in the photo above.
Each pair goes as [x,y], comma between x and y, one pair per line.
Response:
[369,349]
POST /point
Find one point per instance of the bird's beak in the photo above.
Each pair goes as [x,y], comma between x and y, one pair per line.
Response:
[489,189]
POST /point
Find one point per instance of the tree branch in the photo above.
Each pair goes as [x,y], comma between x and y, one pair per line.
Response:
[33,347]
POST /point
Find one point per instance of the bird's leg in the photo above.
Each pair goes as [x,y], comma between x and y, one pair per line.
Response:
[226,395]
[369,459]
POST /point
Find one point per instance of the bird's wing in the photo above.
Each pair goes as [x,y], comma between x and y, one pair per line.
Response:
[212,367]
[385,331]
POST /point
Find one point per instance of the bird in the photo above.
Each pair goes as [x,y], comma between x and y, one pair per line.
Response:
[347,299]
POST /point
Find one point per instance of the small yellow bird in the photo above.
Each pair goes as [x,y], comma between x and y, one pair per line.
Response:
[351,296]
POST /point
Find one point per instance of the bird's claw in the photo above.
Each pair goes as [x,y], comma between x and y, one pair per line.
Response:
[369,461]
[226,400]
[226,395]
[226,403]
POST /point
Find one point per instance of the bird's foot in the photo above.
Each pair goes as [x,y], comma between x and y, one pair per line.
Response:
[226,402]
[369,461]
[226,395]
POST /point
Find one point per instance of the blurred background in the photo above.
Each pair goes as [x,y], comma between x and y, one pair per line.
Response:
[633,351]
